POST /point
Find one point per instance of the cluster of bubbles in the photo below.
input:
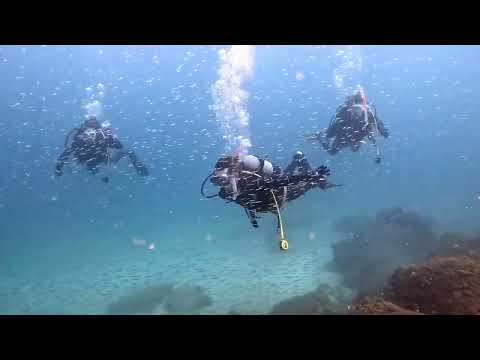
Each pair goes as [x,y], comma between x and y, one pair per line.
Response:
[93,103]
[230,100]
[348,63]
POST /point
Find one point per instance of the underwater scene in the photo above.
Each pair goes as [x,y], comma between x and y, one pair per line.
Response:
[239,179]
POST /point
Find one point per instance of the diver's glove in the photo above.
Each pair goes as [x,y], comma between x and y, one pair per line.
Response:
[141,169]
[323,171]
[319,175]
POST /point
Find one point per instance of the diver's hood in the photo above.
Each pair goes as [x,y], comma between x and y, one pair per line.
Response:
[220,177]
[224,162]
[222,172]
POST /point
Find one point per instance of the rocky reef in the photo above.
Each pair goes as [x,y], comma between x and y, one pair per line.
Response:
[442,285]
[395,264]
[447,283]
[187,298]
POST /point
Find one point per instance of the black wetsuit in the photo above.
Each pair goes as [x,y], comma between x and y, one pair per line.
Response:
[91,146]
[298,166]
[348,129]
[255,193]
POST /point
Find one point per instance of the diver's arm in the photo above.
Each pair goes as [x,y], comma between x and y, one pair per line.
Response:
[373,118]
[332,128]
[315,136]
[139,166]
[111,140]
[313,176]
[114,142]
[61,161]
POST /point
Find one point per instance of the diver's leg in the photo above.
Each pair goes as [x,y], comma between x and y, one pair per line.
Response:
[92,167]
[315,136]
[252,217]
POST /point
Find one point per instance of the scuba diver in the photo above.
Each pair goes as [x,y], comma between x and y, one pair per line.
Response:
[259,187]
[355,120]
[95,145]
[298,165]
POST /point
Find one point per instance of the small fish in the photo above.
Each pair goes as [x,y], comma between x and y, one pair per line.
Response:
[151,247]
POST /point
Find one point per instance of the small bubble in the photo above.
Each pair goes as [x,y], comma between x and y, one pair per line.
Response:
[299,76]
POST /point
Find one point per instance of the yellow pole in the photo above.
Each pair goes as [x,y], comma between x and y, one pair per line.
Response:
[283,241]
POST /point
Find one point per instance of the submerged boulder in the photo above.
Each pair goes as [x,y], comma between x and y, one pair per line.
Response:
[174,299]
[187,298]
[141,302]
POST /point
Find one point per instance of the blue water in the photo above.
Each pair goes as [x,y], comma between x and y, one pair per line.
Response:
[66,243]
